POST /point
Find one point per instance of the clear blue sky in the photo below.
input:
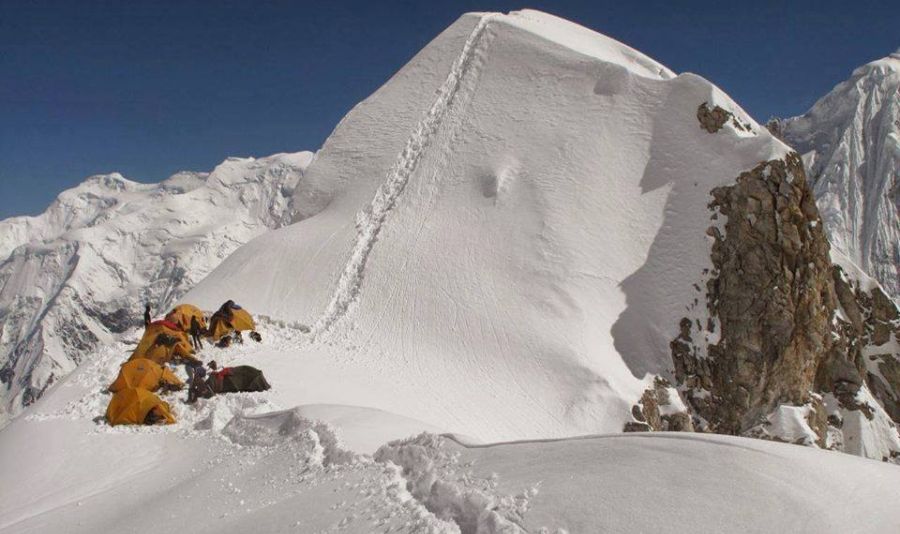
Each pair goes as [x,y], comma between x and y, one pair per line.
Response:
[150,88]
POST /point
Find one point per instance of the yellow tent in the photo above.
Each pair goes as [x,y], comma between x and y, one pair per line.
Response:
[241,320]
[145,374]
[131,406]
[182,314]
[162,342]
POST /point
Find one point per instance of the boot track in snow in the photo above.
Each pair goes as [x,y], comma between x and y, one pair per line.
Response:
[370,220]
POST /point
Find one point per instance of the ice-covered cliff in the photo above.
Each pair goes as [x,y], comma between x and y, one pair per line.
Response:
[850,142]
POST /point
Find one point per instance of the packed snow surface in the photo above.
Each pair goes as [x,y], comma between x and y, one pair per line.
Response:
[244,462]
[516,223]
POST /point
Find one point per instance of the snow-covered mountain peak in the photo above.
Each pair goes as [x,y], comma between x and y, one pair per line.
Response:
[525,203]
[880,71]
[850,142]
[585,41]
[235,171]
[183,182]
[114,181]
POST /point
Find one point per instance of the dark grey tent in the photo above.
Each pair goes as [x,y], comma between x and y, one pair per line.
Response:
[240,378]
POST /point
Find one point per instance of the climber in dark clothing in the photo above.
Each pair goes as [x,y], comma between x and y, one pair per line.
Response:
[227,310]
[198,386]
[147,317]
[224,315]
[196,332]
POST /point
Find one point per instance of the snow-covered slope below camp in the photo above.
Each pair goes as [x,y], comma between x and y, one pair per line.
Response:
[516,224]
[77,275]
[850,141]
[238,462]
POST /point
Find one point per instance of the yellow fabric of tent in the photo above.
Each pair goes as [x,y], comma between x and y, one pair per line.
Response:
[182,315]
[130,406]
[173,344]
[241,320]
[145,374]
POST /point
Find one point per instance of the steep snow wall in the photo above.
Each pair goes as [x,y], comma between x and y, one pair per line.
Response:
[77,275]
[516,222]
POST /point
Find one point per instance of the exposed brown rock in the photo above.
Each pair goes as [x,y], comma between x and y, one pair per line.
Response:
[648,415]
[634,426]
[777,300]
[872,321]
[713,119]
[775,127]
[771,293]
[818,421]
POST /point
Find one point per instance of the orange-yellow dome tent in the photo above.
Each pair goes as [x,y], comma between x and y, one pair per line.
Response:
[241,320]
[135,406]
[145,374]
[163,341]
[182,314]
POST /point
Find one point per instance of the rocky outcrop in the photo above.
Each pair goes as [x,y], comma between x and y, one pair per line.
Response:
[792,333]
[660,408]
[712,119]
[872,322]
[771,292]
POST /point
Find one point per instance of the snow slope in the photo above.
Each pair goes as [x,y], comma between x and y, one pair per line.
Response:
[76,276]
[850,141]
[240,462]
[513,224]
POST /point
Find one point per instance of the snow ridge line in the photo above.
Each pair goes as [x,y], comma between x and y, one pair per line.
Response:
[370,220]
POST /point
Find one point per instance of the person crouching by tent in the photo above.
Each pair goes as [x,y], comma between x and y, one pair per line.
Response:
[224,315]
[199,388]
[196,333]
[226,311]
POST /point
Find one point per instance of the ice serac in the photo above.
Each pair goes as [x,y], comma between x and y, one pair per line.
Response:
[518,220]
[850,142]
[77,275]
